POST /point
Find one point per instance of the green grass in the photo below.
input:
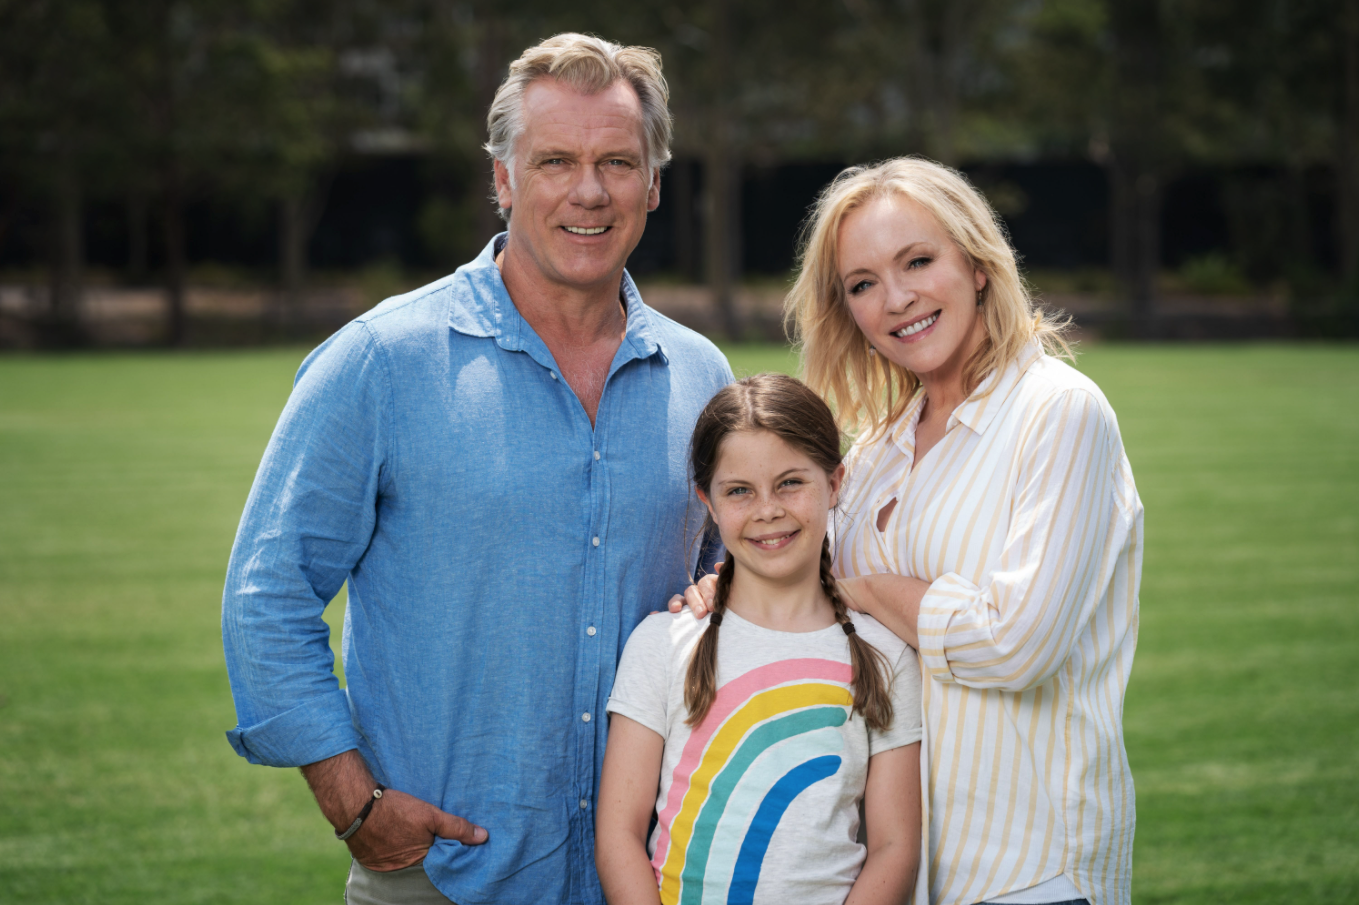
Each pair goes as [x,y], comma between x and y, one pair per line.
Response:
[122,477]
[1242,718]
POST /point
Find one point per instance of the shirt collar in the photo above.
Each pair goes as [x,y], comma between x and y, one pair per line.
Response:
[976,411]
[486,310]
[903,431]
[979,409]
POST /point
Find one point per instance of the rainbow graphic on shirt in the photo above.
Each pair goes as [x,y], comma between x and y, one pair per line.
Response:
[770,734]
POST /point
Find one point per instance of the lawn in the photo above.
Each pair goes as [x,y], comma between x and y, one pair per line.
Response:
[122,477]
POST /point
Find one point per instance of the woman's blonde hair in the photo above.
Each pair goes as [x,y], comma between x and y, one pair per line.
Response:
[868,391]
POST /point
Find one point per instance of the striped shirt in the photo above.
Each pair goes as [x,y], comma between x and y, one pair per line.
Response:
[1025,521]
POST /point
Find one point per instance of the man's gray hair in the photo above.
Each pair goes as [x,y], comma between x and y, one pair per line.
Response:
[589,65]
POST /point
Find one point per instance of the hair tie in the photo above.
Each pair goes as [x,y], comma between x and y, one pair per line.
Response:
[848,627]
[715,619]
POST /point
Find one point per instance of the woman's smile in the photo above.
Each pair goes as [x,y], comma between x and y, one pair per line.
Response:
[916,327]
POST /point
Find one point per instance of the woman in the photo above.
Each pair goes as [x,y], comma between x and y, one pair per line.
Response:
[990,519]
[992,523]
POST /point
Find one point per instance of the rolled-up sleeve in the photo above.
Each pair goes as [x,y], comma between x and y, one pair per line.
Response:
[309,519]
[1015,631]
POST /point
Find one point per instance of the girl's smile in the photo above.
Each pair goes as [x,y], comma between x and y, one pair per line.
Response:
[774,541]
[771,504]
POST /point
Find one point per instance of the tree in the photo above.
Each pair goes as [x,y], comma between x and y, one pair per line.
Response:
[297,110]
[750,82]
[464,50]
[230,96]
[1347,145]
[161,43]
[760,81]
[1138,151]
[947,54]
[57,119]
[1262,92]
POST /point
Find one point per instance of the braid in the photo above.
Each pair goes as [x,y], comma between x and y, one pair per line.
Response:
[872,681]
[700,684]
[828,583]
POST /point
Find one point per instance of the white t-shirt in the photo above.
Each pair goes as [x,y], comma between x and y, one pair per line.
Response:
[759,802]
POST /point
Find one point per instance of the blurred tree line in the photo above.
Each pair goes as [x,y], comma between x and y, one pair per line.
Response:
[154,103]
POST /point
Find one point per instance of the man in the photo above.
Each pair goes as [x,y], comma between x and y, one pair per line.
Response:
[496,465]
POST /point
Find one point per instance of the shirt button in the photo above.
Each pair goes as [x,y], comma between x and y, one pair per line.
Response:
[554,374]
[595,541]
[590,631]
[584,803]
[596,455]
[585,717]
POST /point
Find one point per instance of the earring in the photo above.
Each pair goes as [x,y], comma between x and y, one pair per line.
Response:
[872,351]
[980,294]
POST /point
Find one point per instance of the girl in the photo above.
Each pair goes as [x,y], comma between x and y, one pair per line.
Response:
[754,734]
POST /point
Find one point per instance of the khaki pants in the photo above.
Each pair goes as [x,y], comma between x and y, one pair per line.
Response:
[408,886]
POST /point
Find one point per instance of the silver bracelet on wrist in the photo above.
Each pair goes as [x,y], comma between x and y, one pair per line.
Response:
[363,815]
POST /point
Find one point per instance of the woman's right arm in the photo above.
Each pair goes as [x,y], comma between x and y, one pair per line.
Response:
[1070,522]
[627,798]
[893,600]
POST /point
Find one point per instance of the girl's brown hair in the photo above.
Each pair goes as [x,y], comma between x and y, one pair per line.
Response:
[786,408]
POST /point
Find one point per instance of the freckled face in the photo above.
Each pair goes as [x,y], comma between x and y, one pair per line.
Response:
[911,291]
[771,504]
[581,189]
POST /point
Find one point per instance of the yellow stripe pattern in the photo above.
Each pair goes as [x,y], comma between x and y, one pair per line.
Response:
[1027,523]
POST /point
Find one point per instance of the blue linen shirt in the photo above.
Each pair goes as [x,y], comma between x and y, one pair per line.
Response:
[499,551]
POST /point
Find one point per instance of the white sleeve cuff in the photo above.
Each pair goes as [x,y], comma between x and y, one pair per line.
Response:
[948,595]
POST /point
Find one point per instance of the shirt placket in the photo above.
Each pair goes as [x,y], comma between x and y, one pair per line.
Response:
[600,629]
[583,442]
[587,669]
[894,483]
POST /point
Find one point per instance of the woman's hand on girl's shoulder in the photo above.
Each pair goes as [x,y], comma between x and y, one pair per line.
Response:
[697,597]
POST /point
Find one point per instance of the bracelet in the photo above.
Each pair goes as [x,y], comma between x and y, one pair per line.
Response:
[363,815]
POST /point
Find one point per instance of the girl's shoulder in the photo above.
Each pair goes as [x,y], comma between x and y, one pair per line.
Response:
[880,636]
[906,682]
[668,632]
